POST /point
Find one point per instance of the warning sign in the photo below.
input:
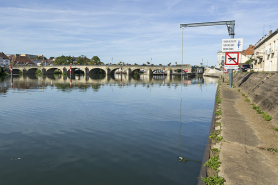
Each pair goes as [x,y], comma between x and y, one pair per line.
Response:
[231,58]
[225,70]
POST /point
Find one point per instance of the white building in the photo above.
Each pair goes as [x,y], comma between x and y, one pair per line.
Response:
[4,60]
[265,56]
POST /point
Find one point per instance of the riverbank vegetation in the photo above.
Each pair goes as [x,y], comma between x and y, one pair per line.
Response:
[213,162]
[2,72]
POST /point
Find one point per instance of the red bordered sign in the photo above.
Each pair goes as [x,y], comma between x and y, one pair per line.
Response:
[225,70]
[231,58]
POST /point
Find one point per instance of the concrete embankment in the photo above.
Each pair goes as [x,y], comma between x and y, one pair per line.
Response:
[262,89]
[245,143]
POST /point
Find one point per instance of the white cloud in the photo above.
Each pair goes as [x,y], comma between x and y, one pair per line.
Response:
[130,30]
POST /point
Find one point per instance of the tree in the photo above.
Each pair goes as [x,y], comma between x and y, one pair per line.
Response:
[96,61]
[248,61]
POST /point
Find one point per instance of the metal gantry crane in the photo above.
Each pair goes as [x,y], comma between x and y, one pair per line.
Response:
[231,30]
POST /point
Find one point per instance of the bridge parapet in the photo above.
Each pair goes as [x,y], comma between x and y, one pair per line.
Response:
[107,68]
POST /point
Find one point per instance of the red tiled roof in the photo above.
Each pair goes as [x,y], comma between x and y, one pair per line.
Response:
[249,50]
[3,55]
[23,60]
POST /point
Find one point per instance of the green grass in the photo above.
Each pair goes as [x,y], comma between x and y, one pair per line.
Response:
[275,128]
[215,150]
[219,112]
[234,85]
[215,136]
[267,117]
[243,94]
[272,150]
[247,99]
[219,123]
[214,180]
[238,90]
[213,163]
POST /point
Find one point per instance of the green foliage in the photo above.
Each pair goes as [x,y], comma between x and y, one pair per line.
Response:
[82,60]
[218,99]
[57,71]
[259,111]
[248,61]
[38,71]
[238,90]
[267,117]
[219,112]
[2,72]
[243,94]
[214,180]
[247,99]
[272,150]
[215,136]
[215,150]
[95,61]
[213,163]
[63,60]
[234,85]
[275,128]
[218,123]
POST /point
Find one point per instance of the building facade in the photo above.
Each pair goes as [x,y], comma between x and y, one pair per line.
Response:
[4,60]
[265,56]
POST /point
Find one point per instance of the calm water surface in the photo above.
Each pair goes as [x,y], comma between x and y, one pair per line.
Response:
[103,130]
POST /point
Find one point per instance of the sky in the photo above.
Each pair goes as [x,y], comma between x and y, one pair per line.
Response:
[131,31]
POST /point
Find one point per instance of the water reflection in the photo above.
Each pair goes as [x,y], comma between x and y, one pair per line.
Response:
[130,132]
[66,83]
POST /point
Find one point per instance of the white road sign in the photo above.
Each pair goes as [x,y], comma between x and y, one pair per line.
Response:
[231,67]
[232,45]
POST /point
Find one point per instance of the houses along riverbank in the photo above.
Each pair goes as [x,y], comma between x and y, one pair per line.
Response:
[244,141]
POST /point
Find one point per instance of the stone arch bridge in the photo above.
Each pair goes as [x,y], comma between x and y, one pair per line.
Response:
[109,69]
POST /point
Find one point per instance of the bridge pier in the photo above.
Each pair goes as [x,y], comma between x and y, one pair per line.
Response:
[149,72]
[108,71]
[169,72]
[128,71]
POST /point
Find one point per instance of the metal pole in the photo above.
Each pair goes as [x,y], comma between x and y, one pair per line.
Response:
[231,71]
[182,54]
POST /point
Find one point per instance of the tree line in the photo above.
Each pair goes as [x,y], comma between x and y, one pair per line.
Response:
[81,60]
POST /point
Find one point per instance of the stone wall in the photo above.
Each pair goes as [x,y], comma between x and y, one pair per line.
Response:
[262,89]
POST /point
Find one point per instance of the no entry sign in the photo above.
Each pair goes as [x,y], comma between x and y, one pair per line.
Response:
[231,58]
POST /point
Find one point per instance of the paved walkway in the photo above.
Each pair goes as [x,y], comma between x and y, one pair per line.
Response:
[246,135]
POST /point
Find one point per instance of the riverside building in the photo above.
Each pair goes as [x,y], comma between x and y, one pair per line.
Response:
[265,53]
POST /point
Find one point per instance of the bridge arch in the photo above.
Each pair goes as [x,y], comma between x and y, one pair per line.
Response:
[51,70]
[96,70]
[31,70]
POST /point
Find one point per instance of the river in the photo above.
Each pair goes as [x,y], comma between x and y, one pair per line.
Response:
[103,130]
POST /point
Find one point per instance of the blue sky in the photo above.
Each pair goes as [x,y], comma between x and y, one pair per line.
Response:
[132,31]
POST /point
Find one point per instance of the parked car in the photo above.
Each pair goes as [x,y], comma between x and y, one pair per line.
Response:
[244,67]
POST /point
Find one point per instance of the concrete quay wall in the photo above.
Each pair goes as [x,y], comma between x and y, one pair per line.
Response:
[262,89]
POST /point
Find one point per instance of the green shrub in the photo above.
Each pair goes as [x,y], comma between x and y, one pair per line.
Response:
[219,112]
[272,150]
[213,163]
[214,180]
[267,117]
[275,128]
[215,150]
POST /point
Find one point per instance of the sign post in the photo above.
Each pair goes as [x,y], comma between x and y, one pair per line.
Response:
[231,47]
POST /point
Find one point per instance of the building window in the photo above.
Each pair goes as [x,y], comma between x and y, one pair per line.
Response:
[222,57]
